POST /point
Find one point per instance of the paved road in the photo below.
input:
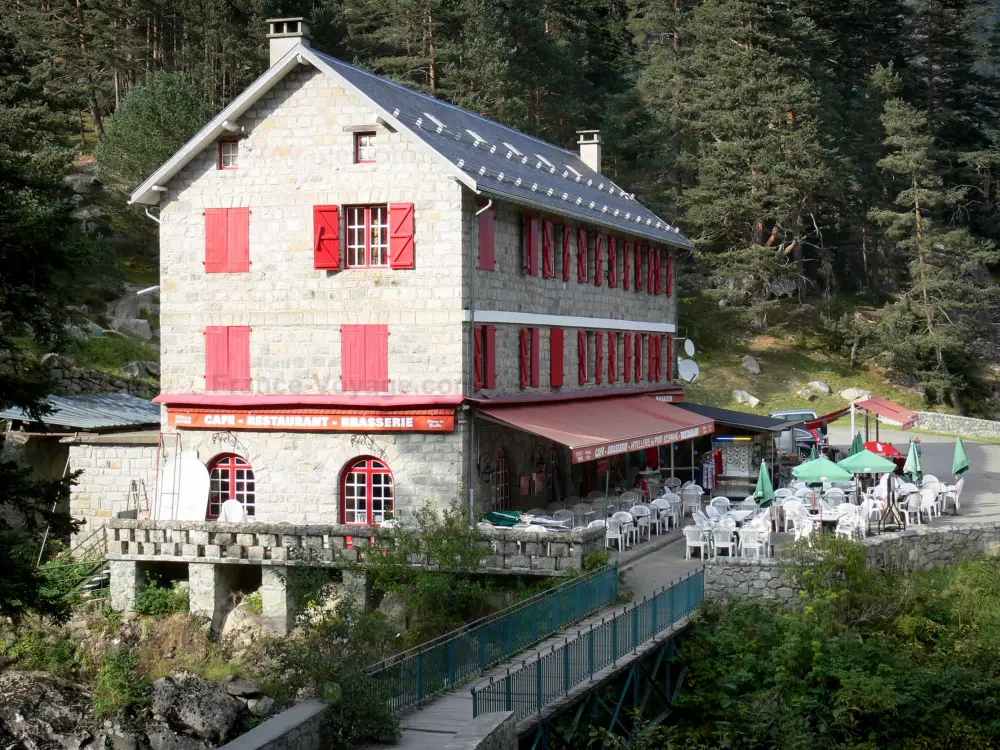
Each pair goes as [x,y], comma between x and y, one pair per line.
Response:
[981,495]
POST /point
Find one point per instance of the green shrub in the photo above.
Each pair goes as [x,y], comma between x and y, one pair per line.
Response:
[255,602]
[51,652]
[118,689]
[111,352]
[157,600]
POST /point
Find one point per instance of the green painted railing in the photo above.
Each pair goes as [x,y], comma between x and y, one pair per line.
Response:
[409,678]
[537,683]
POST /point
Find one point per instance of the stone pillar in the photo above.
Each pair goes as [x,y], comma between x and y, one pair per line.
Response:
[277,616]
[358,586]
[126,577]
[211,593]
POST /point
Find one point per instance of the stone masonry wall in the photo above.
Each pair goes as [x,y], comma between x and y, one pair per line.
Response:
[492,731]
[907,551]
[967,427]
[301,727]
[102,490]
[298,151]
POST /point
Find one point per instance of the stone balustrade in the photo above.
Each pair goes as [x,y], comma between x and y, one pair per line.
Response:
[507,551]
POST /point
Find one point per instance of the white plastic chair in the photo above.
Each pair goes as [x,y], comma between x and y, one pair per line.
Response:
[641,513]
[783,492]
[615,533]
[748,504]
[536,513]
[846,520]
[553,507]
[664,514]
[702,521]
[721,504]
[691,500]
[694,538]
[671,482]
[752,539]
[929,502]
[628,525]
[953,493]
[792,508]
[803,528]
[911,507]
[232,511]
[712,513]
[566,516]
[584,511]
[723,539]
[595,495]
[930,478]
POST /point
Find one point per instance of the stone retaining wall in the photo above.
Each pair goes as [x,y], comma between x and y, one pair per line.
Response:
[919,548]
[493,731]
[953,424]
[508,551]
[298,728]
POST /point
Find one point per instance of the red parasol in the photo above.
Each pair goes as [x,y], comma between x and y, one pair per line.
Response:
[887,450]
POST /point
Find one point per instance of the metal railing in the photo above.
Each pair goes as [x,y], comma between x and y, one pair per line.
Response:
[411,677]
[535,684]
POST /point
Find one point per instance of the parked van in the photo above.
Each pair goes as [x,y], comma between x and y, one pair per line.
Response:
[799,439]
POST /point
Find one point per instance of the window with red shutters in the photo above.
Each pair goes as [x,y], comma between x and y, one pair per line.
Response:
[627,370]
[525,358]
[478,359]
[536,377]
[556,351]
[326,238]
[627,265]
[670,358]
[227,240]
[612,356]
[401,230]
[566,254]
[227,358]
[581,356]
[364,357]
[581,256]
[598,356]
[638,267]
[485,366]
[612,261]
[638,358]
[548,250]
[367,241]
[598,259]
[487,239]
[669,288]
[531,231]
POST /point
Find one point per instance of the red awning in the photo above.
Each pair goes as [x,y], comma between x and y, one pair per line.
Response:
[821,422]
[888,450]
[606,427]
[884,408]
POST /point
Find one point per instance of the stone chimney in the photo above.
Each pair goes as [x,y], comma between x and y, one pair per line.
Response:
[285,33]
[590,148]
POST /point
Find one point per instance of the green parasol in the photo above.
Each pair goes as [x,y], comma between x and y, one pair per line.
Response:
[820,470]
[857,445]
[960,463]
[765,491]
[867,462]
[912,466]
[813,455]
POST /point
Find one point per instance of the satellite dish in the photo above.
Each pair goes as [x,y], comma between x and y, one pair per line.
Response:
[688,370]
[689,347]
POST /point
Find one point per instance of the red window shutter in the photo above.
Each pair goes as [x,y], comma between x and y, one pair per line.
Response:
[581,356]
[638,358]
[612,261]
[531,245]
[487,239]
[658,277]
[376,357]
[653,338]
[598,356]
[638,267]
[670,356]
[238,241]
[326,238]
[401,253]
[598,259]
[216,358]
[612,356]
[536,377]
[216,239]
[478,370]
[352,357]
[627,371]
[566,255]
[548,250]
[581,256]
[239,358]
[670,274]
[490,356]
[651,271]
[627,266]
[556,339]
[525,358]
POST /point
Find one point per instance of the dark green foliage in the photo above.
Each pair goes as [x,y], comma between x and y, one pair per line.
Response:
[156,599]
[118,690]
[46,650]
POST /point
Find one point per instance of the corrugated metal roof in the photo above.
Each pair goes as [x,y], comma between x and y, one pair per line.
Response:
[754,422]
[509,164]
[93,411]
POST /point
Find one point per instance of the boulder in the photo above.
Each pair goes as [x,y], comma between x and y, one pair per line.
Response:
[81,182]
[751,365]
[240,687]
[263,706]
[805,393]
[853,394]
[135,326]
[140,369]
[131,303]
[190,702]
[818,386]
[56,361]
[393,606]
[42,712]
[162,737]
[742,397]
[241,630]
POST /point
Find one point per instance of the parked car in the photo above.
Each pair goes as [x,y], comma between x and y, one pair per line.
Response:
[798,439]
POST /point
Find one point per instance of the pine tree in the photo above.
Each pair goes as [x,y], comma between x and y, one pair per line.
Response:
[933,324]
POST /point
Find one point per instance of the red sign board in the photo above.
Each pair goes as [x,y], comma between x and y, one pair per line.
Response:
[641,443]
[315,420]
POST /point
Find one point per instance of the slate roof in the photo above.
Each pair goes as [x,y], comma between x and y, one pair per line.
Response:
[753,422]
[93,411]
[508,164]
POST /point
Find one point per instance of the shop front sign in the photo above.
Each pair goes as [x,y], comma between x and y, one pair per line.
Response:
[590,453]
[315,420]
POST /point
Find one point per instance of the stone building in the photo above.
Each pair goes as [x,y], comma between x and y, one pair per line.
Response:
[372,300]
